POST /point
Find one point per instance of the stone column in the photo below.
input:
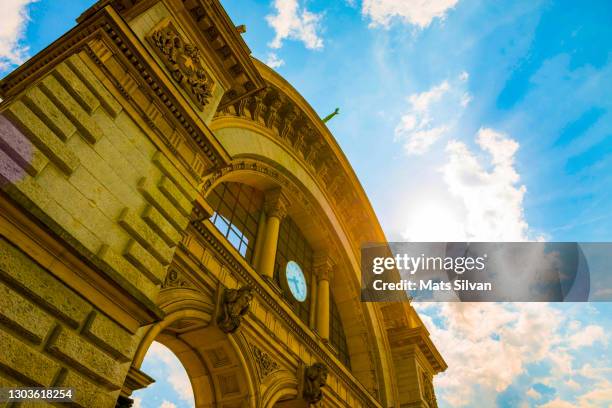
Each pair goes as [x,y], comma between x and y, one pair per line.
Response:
[323,270]
[276,206]
[259,238]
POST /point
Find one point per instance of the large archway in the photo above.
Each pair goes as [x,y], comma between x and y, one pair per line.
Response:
[313,212]
[215,362]
[172,387]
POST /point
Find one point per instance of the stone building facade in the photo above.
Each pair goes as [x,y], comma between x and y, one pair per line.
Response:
[160,184]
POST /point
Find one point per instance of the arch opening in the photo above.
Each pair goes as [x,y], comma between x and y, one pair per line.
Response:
[213,362]
[172,386]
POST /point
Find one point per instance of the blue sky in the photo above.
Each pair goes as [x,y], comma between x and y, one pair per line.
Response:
[463,119]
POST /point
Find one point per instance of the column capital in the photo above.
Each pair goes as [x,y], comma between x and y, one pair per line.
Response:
[323,266]
[276,203]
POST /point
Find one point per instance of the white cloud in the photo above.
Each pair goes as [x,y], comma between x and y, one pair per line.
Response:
[167,404]
[432,114]
[588,336]
[137,403]
[466,98]
[176,375]
[415,126]
[572,385]
[600,395]
[478,339]
[420,140]
[557,403]
[594,373]
[273,61]
[416,12]
[296,23]
[492,198]
[531,393]
[14,20]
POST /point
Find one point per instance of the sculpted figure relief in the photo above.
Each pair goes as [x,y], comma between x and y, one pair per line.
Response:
[234,305]
[315,378]
[183,61]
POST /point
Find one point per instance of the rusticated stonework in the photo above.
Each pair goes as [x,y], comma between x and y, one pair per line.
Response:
[265,363]
[183,61]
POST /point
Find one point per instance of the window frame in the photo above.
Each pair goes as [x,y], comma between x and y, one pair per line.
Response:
[237,208]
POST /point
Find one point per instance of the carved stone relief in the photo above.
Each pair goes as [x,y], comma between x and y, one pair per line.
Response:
[315,378]
[234,305]
[265,363]
[174,279]
[184,62]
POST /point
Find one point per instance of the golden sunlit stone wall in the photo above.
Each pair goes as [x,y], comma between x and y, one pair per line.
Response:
[74,157]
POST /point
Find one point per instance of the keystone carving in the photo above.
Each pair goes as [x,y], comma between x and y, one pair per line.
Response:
[234,305]
[183,61]
[315,378]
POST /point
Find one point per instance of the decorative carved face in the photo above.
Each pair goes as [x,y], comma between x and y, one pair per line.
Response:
[323,376]
[244,299]
[177,42]
[319,373]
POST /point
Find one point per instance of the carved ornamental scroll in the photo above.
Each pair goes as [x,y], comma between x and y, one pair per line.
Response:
[183,61]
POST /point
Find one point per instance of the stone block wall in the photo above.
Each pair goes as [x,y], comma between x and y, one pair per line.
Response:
[73,153]
[52,337]
[74,159]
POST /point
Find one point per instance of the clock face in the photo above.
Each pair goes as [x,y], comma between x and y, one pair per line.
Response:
[296,281]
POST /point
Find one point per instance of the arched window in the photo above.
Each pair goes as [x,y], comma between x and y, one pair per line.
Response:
[292,246]
[237,208]
[336,334]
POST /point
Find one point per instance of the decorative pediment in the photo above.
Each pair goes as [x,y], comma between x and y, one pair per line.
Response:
[220,40]
[183,61]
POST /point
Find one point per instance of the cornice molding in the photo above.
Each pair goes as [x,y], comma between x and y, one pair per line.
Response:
[419,338]
[271,109]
